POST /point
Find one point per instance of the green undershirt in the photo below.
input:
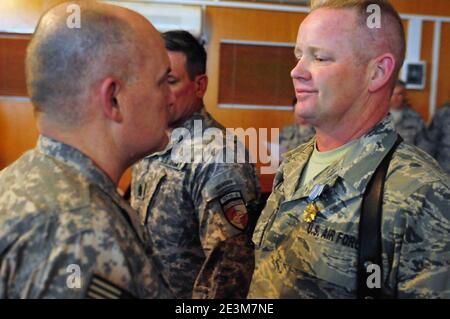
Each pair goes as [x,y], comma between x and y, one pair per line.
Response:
[319,161]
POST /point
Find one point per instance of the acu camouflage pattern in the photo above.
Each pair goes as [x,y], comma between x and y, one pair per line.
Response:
[179,204]
[56,209]
[294,135]
[410,125]
[436,139]
[295,259]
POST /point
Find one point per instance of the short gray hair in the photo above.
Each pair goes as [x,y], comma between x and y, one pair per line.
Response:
[63,63]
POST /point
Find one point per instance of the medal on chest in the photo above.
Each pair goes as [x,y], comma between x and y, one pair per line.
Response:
[311,209]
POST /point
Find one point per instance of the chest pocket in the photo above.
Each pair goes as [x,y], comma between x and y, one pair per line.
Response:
[324,250]
[145,191]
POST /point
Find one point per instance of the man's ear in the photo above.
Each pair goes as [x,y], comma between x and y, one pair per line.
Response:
[381,71]
[109,90]
[201,84]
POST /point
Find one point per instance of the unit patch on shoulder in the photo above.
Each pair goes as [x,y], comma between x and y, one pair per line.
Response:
[100,288]
[234,209]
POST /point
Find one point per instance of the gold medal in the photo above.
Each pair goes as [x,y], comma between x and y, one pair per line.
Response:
[310,212]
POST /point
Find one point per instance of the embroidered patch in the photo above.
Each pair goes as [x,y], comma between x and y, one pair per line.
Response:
[234,209]
[100,288]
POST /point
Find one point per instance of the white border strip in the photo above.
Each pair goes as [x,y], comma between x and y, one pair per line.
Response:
[237,5]
[435,68]
[414,42]
[262,43]
[245,5]
[14,98]
[276,7]
[256,107]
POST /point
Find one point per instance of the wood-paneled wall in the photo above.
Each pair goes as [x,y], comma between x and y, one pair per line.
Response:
[18,131]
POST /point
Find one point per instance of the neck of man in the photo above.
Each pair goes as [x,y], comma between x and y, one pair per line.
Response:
[352,126]
[196,108]
[101,149]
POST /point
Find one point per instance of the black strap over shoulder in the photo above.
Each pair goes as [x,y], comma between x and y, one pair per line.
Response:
[369,251]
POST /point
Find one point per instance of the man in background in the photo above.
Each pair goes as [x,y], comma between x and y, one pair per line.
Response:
[200,214]
[100,95]
[295,134]
[436,139]
[407,122]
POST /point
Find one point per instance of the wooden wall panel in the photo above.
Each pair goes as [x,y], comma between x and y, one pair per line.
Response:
[425,7]
[18,131]
[12,64]
[255,74]
[240,24]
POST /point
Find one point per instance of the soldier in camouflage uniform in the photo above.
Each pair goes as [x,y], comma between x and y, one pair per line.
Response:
[295,134]
[200,213]
[65,232]
[436,139]
[407,122]
[305,254]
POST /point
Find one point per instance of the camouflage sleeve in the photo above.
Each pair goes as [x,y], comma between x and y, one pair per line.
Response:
[228,209]
[424,264]
[271,207]
[56,260]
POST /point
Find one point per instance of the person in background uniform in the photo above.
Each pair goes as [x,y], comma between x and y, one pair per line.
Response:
[65,232]
[436,139]
[407,122]
[200,213]
[307,236]
[295,134]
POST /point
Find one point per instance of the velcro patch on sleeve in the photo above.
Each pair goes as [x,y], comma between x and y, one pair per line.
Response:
[234,209]
[100,288]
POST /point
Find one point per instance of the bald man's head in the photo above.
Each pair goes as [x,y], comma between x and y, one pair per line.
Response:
[63,63]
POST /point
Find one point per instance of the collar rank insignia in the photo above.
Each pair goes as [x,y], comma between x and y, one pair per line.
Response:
[100,288]
[234,209]
[311,210]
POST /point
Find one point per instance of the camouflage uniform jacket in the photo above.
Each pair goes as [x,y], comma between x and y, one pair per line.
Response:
[410,125]
[297,259]
[59,211]
[436,139]
[294,135]
[192,208]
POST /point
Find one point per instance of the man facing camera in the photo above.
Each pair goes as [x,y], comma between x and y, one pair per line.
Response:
[200,212]
[97,91]
[356,212]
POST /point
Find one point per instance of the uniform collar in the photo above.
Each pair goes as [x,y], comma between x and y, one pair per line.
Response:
[75,159]
[72,157]
[355,168]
